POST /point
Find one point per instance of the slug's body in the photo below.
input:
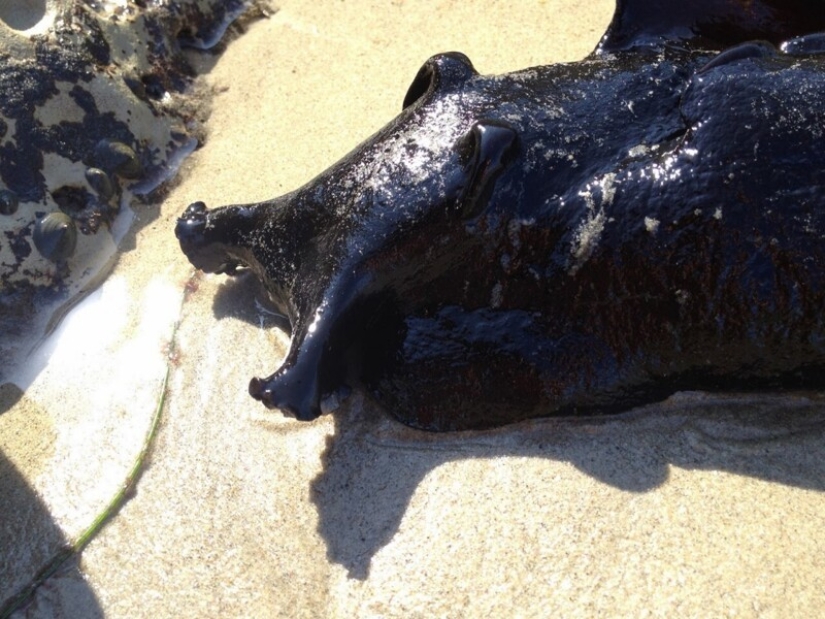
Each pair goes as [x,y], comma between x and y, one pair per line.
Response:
[572,238]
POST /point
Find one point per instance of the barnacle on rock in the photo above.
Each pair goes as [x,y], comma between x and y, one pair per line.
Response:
[118,158]
[100,182]
[55,236]
[8,202]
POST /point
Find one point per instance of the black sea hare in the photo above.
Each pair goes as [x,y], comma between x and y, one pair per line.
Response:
[565,239]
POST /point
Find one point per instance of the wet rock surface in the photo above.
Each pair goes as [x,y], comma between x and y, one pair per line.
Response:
[95,111]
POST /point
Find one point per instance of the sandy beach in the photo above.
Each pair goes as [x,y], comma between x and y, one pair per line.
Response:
[699,506]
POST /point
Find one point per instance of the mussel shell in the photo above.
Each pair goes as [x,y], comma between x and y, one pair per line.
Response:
[117,158]
[55,236]
[101,183]
[8,202]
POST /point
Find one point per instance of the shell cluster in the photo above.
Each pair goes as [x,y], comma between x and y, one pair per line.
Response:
[93,111]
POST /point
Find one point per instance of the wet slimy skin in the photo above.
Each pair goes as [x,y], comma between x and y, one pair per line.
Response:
[573,238]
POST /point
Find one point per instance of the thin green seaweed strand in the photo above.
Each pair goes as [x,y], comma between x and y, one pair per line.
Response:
[115,504]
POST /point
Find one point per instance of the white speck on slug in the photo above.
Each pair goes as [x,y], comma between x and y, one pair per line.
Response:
[651,224]
[590,230]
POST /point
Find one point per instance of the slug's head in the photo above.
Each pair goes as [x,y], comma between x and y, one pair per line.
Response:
[380,232]
[201,240]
